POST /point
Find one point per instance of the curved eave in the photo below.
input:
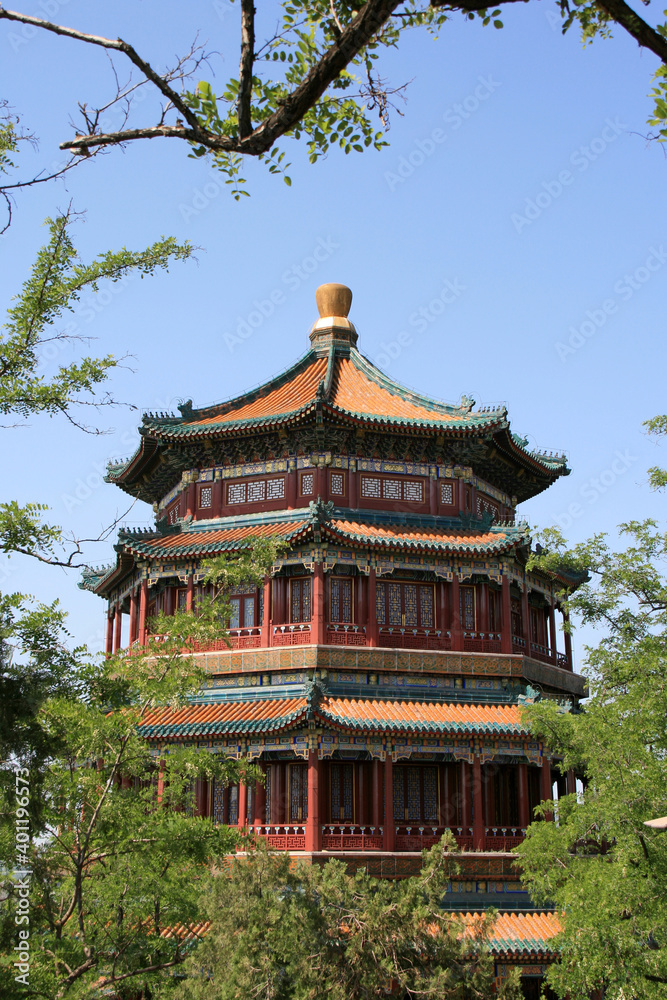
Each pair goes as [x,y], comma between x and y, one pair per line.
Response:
[377,726]
[542,465]
[420,545]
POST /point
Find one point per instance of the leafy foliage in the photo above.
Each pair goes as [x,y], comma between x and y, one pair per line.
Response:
[57,280]
[297,933]
[601,865]
[120,855]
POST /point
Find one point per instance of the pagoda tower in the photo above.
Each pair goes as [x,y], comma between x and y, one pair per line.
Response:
[377,676]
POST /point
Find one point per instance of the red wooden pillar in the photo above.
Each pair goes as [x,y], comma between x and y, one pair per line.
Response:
[118,626]
[321,482]
[568,640]
[133,617]
[190,595]
[259,801]
[108,642]
[313,828]
[352,488]
[552,631]
[216,498]
[506,630]
[571,782]
[191,499]
[160,783]
[389,833]
[478,831]
[372,632]
[377,795]
[143,608]
[455,610]
[442,621]
[291,488]
[265,624]
[243,805]
[318,629]
[524,804]
[483,592]
[525,617]
[433,496]
[466,818]
[546,790]
[489,797]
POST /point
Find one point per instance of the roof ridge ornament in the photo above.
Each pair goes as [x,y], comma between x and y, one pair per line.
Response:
[333,328]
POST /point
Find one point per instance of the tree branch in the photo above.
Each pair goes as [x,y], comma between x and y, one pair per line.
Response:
[110,43]
[642,32]
[245,69]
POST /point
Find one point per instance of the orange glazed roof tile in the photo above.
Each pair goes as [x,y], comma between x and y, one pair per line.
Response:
[419,717]
[268,402]
[420,537]
[223,717]
[524,932]
[203,541]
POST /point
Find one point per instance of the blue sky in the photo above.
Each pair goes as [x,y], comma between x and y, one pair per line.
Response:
[518,175]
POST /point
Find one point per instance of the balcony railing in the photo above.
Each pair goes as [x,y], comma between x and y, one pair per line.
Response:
[420,838]
[503,838]
[415,638]
[351,838]
[291,635]
[282,837]
[481,642]
[346,635]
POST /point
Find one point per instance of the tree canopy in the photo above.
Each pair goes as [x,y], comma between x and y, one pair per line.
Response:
[599,863]
[313,76]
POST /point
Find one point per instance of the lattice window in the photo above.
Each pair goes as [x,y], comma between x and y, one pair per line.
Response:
[248,612]
[235,614]
[486,506]
[414,811]
[307,484]
[467,602]
[413,490]
[218,802]
[236,493]
[410,603]
[340,609]
[172,515]
[430,814]
[267,795]
[256,491]
[205,496]
[371,487]
[300,601]
[341,793]
[381,604]
[399,795]
[447,493]
[391,489]
[275,489]
[426,607]
[298,774]
[182,600]
[260,615]
[233,810]
[395,610]
[336,484]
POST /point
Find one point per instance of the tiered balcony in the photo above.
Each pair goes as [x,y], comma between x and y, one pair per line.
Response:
[351,837]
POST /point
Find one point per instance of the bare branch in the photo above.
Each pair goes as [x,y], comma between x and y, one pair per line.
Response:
[245,69]
[110,43]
